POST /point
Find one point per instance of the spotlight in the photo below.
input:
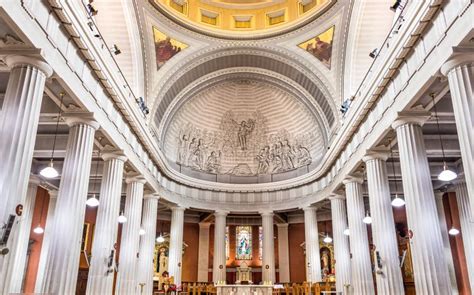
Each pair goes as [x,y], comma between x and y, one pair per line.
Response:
[141,104]
[115,50]
[91,9]
[396,4]
[345,106]
[374,52]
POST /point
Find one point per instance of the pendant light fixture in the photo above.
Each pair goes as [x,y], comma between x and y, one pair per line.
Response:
[327,239]
[93,201]
[39,229]
[141,232]
[122,218]
[346,232]
[446,174]
[367,219]
[160,238]
[49,171]
[397,201]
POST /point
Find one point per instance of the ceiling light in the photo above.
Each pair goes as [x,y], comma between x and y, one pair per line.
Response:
[141,232]
[346,232]
[453,231]
[122,218]
[446,174]
[38,230]
[367,219]
[49,171]
[160,239]
[398,202]
[327,239]
[92,201]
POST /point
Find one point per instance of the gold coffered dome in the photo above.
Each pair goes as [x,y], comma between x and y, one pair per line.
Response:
[241,16]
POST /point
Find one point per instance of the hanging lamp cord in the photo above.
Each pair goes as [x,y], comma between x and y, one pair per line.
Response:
[57,124]
[437,125]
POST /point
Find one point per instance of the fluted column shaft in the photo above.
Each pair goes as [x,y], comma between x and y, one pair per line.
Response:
[176,244]
[460,73]
[283,253]
[218,269]
[361,268]
[127,276]
[203,254]
[341,243]
[101,276]
[147,243]
[48,232]
[18,125]
[311,234]
[467,227]
[268,259]
[446,245]
[389,276]
[427,243]
[65,244]
[15,277]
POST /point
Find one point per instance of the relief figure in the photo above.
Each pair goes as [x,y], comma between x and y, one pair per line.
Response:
[244,131]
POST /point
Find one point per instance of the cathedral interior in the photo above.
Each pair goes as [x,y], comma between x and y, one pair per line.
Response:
[235,147]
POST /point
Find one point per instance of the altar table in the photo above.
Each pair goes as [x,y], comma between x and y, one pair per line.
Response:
[244,289]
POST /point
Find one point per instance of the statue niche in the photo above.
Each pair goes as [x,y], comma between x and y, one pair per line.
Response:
[244,274]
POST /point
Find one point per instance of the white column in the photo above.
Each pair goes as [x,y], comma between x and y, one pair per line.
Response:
[176,244]
[147,243]
[283,253]
[14,278]
[361,268]
[389,277]
[48,232]
[268,259]
[18,125]
[460,73]
[127,277]
[218,269]
[467,227]
[427,244]
[101,275]
[65,244]
[311,234]
[447,247]
[203,254]
[341,242]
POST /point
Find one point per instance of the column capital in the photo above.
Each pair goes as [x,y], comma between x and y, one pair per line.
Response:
[151,195]
[309,208]
[376,154]
[413,117]
[110,153]
[337,197]
[457,60]
[221,213]
[177,208]
[17,60]
[53,193]
[353,178]
[284,225]
[204,225]
[34,179]
[266,213]
[439,194]
[76,118]
[134,177]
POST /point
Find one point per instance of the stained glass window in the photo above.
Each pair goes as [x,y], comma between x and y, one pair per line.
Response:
[244,242]
[260,242]
[227,250]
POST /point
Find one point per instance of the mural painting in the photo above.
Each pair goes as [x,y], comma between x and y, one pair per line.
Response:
[243,147]
[320,46]
[165,47]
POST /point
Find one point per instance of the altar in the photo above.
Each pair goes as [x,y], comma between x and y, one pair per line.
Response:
[244,289]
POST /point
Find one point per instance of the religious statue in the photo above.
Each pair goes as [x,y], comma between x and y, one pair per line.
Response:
[183,150]
[303,156]
[286,156]
[162,261]
[244,131]
[263,159]
[213,162]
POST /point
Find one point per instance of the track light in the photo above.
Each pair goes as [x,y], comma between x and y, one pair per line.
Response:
[374,52]
[115,50]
